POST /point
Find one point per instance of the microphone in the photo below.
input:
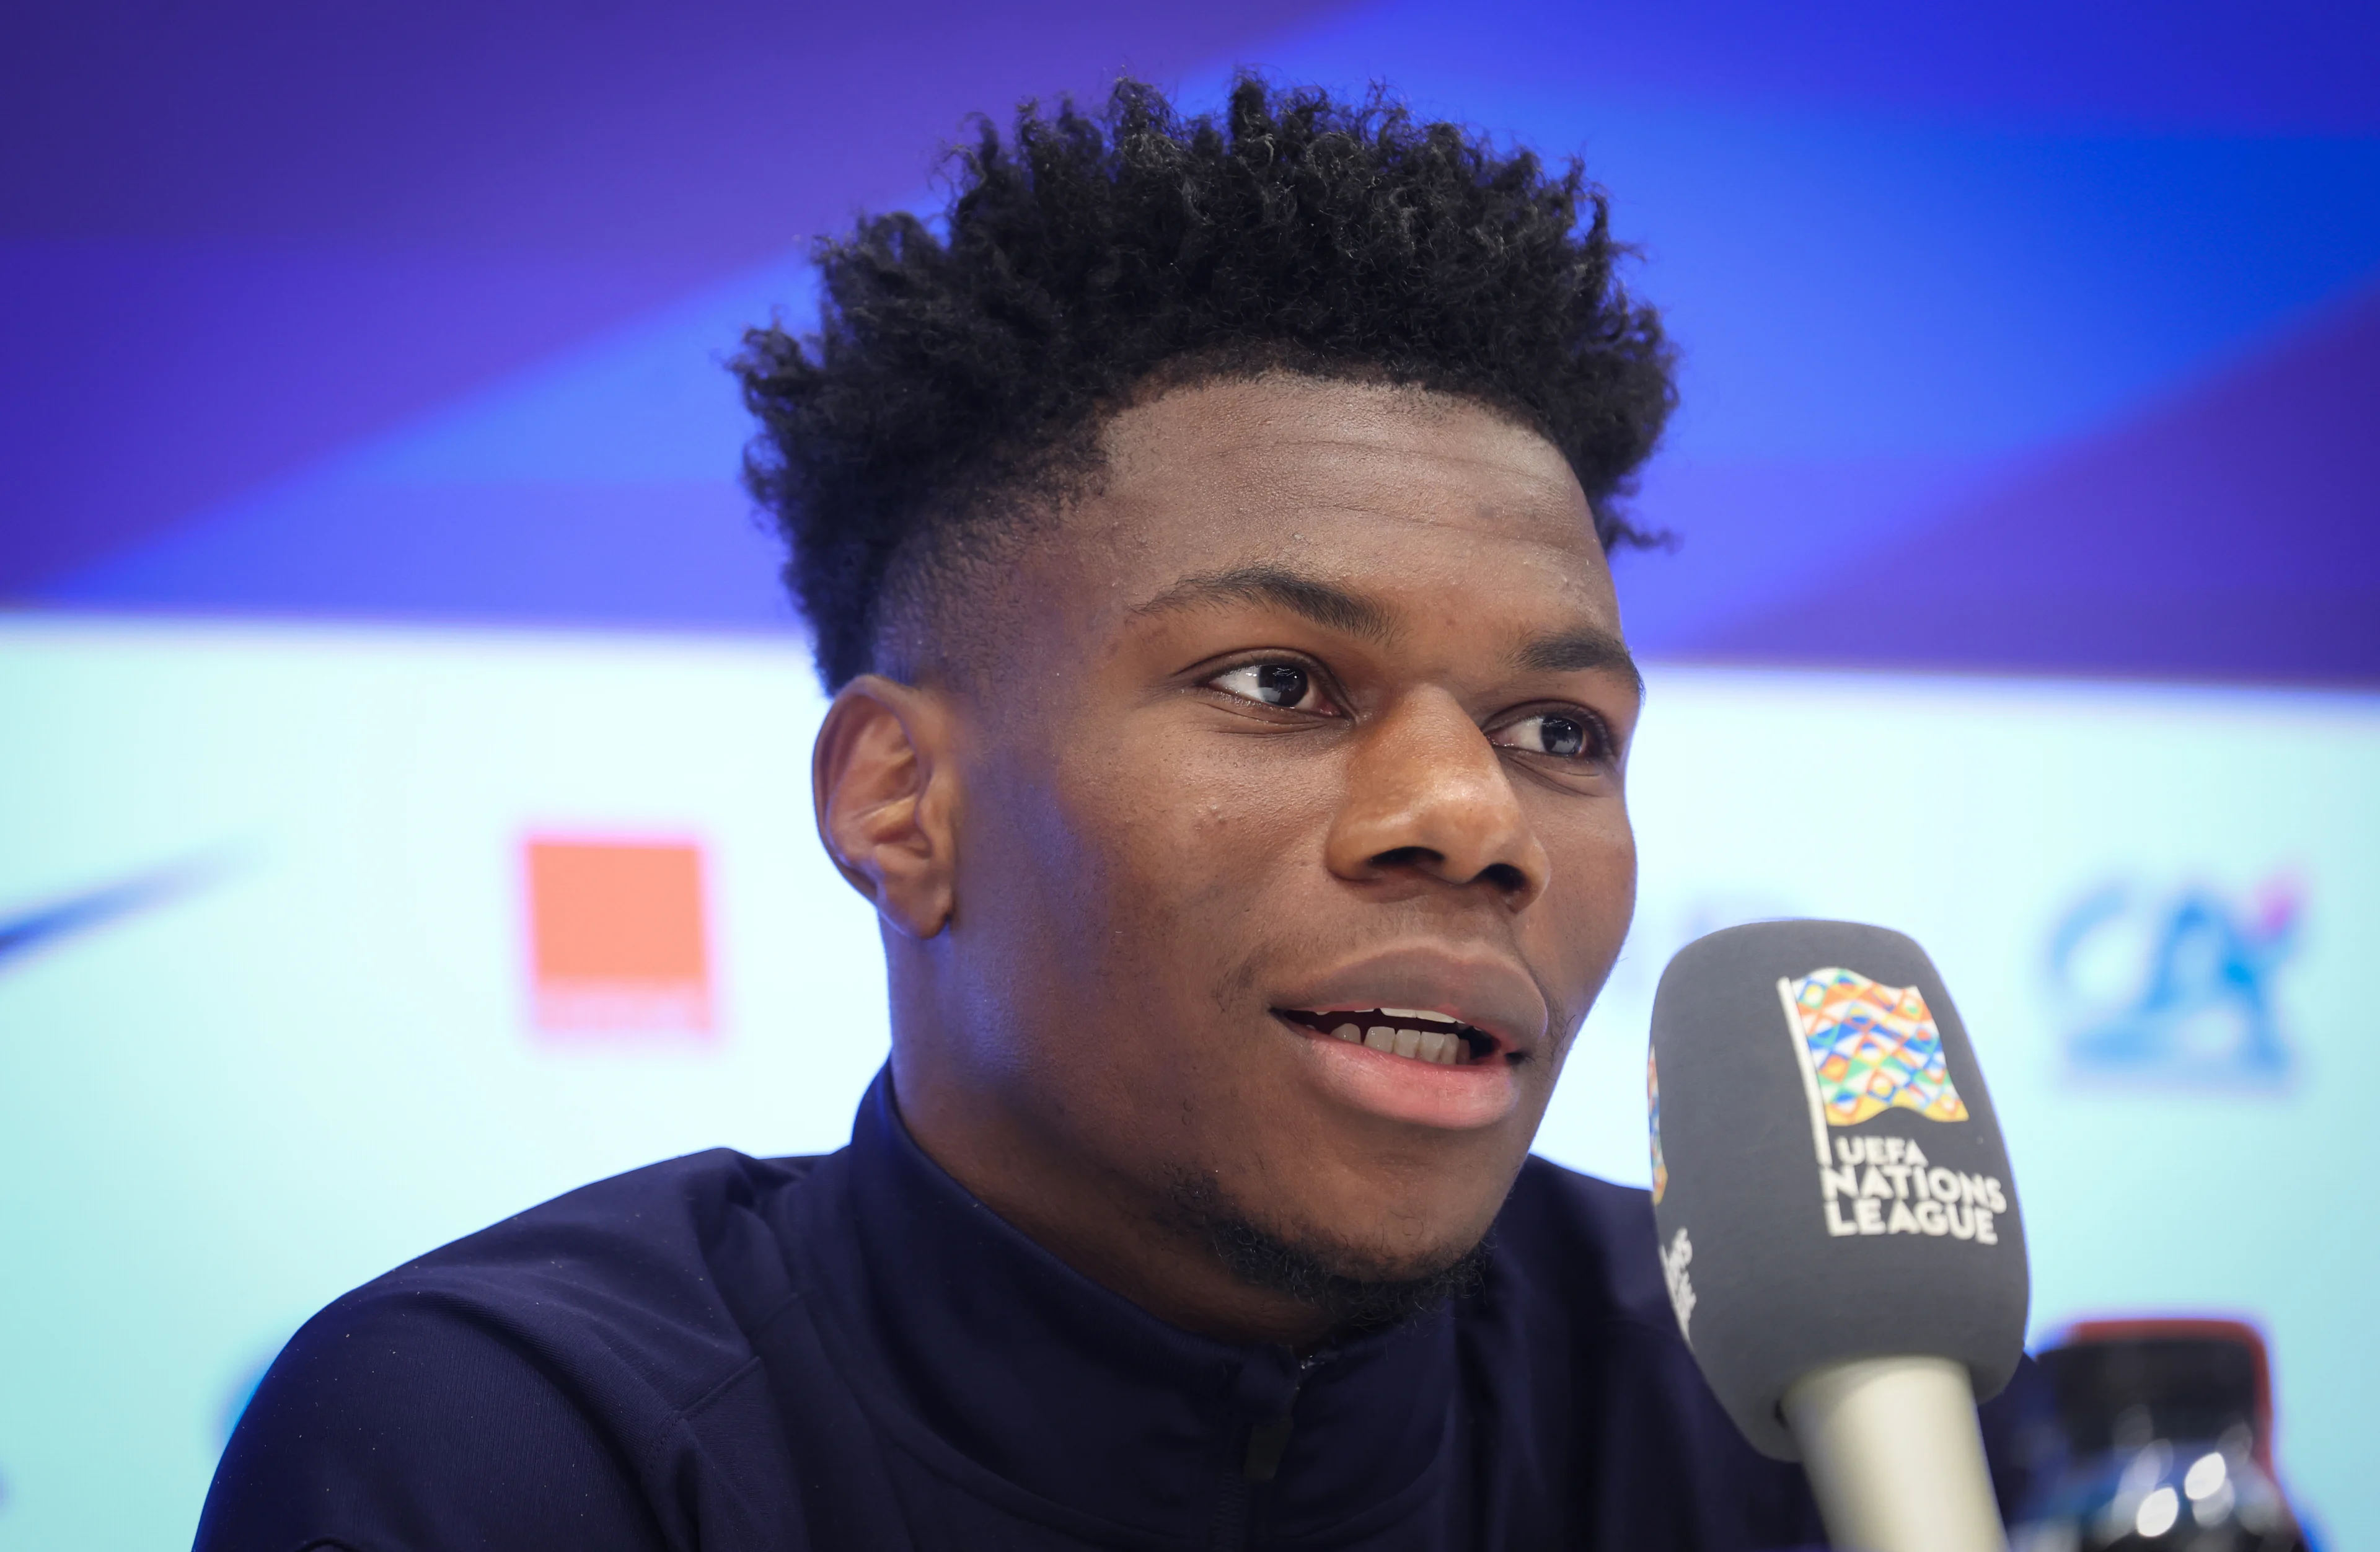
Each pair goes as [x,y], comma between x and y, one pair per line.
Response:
[1838,1224]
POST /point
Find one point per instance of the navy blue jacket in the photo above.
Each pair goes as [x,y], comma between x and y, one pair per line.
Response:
[747,1356]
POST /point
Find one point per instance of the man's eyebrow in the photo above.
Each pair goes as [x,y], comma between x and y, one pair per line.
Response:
[1580,649]
[1328,605]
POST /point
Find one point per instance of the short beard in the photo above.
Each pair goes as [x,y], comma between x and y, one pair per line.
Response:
[1331,1278]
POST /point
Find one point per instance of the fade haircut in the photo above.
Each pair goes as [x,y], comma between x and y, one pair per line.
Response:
[961,371]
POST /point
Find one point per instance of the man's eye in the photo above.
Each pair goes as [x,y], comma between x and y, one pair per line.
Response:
[1274,683]
[1551,733]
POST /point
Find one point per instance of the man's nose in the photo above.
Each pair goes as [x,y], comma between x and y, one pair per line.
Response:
[1429,796]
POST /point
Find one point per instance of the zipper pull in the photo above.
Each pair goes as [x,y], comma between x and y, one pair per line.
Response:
[1268,1440]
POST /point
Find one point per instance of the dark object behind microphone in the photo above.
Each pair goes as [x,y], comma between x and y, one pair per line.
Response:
[1828,1176]
[2156,1434]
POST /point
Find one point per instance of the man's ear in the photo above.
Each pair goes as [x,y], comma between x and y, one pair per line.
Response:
[885,789]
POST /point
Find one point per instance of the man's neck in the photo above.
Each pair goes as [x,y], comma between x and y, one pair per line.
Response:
[1118,1232]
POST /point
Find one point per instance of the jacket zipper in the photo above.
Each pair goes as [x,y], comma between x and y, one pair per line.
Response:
[1268,1442]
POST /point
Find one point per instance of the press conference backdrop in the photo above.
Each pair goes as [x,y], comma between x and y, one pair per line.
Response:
[403,742]
[309,999]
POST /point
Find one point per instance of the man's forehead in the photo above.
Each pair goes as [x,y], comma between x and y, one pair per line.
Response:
[1346,476]
[1370,573]
[1366,510]
[1333,443]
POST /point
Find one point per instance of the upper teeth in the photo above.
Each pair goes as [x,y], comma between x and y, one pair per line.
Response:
[1419,1013]
[1439,1046]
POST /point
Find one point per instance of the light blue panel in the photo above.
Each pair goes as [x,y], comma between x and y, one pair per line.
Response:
[221,1109]
[218,1112]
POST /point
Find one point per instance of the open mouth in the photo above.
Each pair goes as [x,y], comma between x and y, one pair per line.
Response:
[1406,1032]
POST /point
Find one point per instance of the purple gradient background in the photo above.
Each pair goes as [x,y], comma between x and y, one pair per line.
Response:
[2039,338]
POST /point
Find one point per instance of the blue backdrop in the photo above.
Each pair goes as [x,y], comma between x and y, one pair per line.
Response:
[369,510]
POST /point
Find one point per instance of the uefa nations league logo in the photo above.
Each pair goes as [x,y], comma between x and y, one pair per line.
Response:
[2177,987]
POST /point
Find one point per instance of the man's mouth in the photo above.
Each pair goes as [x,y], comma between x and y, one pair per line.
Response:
[1407,1032]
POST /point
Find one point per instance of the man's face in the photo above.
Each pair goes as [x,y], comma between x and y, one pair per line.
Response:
[1312,724]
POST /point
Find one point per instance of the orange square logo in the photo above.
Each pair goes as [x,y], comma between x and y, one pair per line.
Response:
[618,940]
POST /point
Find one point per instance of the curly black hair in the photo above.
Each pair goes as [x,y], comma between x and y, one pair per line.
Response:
[1089,255]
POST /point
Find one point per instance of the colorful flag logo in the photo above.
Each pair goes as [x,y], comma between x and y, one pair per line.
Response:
[1873,1048]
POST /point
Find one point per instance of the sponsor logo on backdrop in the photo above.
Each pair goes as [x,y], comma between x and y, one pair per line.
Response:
[1865,1048]
[2177,986]
[619,938]
[53,922]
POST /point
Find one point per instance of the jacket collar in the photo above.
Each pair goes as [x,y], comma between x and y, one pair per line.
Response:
[964,1337]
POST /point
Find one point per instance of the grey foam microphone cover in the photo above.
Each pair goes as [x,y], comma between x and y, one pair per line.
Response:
[1829,1181]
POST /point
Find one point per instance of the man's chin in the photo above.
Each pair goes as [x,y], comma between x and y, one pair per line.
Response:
[1354,1290]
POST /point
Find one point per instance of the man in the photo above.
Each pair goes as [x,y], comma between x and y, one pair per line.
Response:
[1204,535]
